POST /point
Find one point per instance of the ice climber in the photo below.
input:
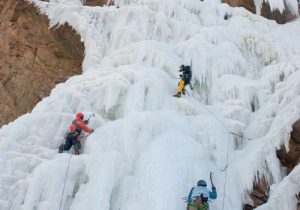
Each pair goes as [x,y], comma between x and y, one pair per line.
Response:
[73,136]
[199,195]
[185,80]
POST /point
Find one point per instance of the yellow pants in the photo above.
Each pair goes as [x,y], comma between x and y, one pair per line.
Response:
[180,86]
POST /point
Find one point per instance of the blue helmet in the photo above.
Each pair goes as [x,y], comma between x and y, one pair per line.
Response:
[201,183]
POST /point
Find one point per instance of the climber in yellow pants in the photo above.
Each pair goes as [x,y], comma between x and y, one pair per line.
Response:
[185,79]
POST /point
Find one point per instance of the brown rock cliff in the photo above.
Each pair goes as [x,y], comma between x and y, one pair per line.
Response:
[288,159]
[266,12]
[291,158]
[259,195]
[32,57]
[98,2]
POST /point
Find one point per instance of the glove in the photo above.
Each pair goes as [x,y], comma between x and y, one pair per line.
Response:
[92,130]
[86,122]
[213,188]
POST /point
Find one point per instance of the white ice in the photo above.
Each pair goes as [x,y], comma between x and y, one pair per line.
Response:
[149,148]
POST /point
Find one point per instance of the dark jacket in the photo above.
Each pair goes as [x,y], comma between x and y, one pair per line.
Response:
[186,74]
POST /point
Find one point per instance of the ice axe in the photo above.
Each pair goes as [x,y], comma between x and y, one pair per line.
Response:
[211,179]
[87,121]
[84,137]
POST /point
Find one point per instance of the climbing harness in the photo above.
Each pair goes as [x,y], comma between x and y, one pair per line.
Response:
[62,194]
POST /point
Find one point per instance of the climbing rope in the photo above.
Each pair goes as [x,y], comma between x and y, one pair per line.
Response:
[62,195]
[225,182]
[230,132]
[227,155]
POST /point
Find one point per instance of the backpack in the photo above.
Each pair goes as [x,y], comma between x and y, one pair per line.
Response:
[74,134]
[188,70]
[187,75]
[76,126]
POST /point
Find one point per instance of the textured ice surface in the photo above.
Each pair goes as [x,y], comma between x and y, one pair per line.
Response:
[150,148]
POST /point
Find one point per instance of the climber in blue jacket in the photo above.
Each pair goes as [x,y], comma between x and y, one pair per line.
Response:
[199,195]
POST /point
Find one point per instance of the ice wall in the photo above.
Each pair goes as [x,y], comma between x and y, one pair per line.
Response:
[149,148]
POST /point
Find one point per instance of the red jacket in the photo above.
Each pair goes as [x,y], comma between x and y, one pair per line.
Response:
[79,125]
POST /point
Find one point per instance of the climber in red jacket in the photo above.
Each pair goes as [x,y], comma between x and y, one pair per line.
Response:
[73,136]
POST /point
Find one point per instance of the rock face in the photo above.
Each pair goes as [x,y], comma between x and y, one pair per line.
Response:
[32,58]
[288,159]
[291,158]
[265,11]
[248,4]
[259,194]
[98,2]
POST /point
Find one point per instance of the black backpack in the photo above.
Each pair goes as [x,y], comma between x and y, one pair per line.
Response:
[187,70]
[187,74]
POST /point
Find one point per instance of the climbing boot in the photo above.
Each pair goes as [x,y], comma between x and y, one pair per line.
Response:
[77,152]
[178,95]
[61,148]
[183,91]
